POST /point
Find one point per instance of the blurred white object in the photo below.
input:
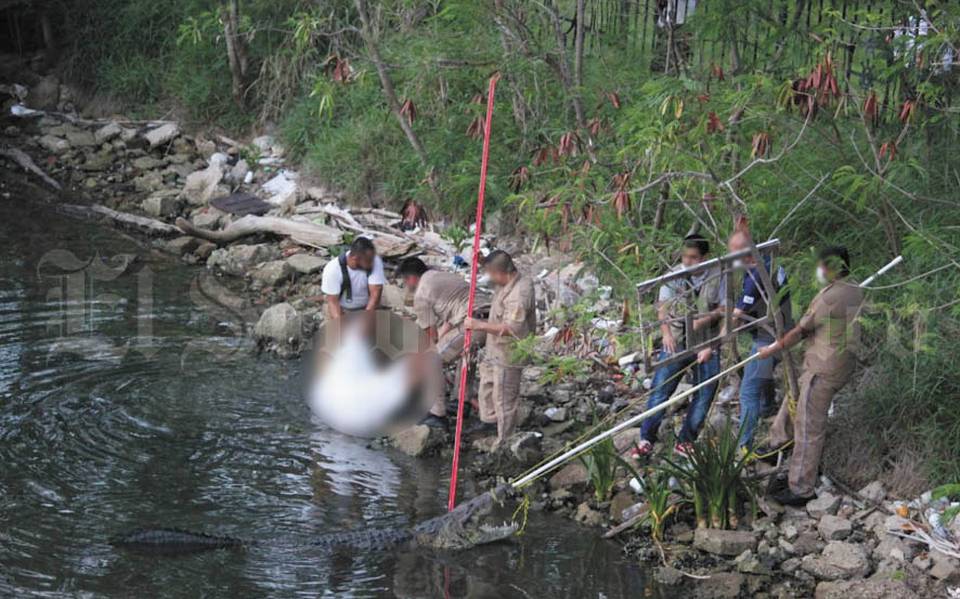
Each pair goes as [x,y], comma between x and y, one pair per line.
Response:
[352,394]
[636,485]
[629,359]
[23,111]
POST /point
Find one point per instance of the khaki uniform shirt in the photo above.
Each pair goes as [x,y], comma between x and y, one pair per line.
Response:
[513,304]
[441,297]
[831,327]
[698,295]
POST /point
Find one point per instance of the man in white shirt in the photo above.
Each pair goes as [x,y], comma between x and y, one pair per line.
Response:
[354,280]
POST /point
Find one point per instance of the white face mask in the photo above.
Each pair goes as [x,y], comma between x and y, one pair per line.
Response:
[822,275]
[737,263]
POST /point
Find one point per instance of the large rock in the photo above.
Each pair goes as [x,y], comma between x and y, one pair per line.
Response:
[587,515]
[162,134]
[724,542]
[149,181]
[147,163]
[108,132]
[839,561]
[306,264]
[208,218]
[162,204]
[80,138]
[54,144]
[416,440]
[238,260]
[201,185]
[280,327]
[525,446]
[944,567]
[100,161]
[825,503]
[271,274]
[834,528]
[874,588]
[874,492]
[895,549]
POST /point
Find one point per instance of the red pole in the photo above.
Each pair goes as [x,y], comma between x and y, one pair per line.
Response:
[452,497]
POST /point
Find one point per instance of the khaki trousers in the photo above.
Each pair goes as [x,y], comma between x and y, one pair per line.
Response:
[449,348]
[810,429]
[500,397]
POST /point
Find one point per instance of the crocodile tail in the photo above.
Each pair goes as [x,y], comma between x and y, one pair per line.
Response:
[173,540]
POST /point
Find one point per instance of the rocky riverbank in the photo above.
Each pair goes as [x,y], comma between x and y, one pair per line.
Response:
[171,187]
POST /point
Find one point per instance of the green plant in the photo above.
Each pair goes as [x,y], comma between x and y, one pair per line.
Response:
[948,491]
[560,368]
[662,503]
[603,465]
[712,479]
[456,235]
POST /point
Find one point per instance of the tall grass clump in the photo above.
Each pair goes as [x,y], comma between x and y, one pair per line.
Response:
[712,479]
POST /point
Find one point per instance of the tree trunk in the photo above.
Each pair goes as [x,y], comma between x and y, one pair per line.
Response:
[236,50]
[369,38]
[578,78]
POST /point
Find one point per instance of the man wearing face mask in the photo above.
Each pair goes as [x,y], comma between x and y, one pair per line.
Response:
[513,315]
[701,294]
[831,329]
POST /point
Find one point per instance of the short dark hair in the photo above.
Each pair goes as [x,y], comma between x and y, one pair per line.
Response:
[697,242]
[412,266]
[837,258]
[362,245]
[499,261]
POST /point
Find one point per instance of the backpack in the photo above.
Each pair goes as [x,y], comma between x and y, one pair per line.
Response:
[346,287]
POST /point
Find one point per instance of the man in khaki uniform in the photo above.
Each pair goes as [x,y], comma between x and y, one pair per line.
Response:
[831,329]
[513,316]
[440,306]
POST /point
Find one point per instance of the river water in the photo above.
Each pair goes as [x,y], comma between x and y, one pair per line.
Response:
[128,399]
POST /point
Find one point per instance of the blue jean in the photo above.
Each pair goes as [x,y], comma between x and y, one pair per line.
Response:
[756,392]
[665,381]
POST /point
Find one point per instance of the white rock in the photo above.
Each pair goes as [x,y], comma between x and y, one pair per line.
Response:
[108,132]
[54,144]
[162,134]
[283,189]
[201,185]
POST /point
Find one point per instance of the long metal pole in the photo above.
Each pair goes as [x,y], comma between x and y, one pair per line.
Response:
[624,425]
[468,334]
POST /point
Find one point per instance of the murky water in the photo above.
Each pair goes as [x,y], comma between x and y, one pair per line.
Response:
[127,399]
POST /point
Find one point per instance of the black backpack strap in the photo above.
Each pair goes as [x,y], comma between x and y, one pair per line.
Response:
[346,288]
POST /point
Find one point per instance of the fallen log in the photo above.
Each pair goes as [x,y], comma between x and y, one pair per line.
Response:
[142,224]
[307,233]
[20,157]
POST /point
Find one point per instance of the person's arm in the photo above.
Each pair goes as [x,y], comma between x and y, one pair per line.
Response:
[791,338]
[375,292]
[432,334]
[375,283]
[331,285]
[334,310]
[663,316]
[499,329]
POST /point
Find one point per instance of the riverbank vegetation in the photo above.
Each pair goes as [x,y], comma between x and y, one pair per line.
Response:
[618,130]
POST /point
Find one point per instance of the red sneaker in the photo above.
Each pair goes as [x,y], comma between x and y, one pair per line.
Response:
[683,449]
[641,449]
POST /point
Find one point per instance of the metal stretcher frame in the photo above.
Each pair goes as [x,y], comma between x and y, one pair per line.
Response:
[725,262]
